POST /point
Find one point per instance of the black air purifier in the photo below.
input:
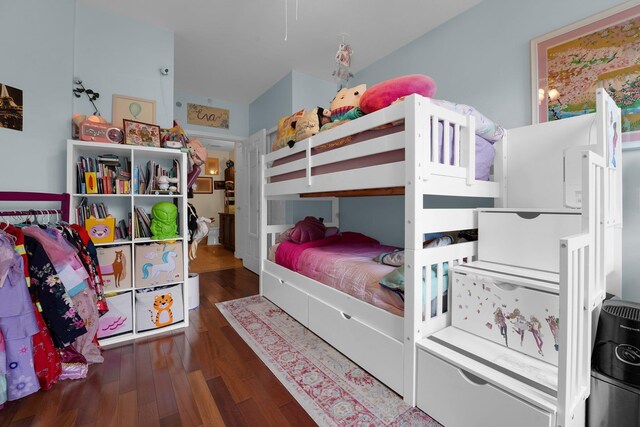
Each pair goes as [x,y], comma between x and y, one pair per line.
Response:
[616,352]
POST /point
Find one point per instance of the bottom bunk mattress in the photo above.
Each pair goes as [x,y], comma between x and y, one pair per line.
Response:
[347,262]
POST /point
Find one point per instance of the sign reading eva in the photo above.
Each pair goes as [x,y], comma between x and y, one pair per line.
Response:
[207,116]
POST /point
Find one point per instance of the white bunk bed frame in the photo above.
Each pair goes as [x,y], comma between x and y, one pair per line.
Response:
[378,340]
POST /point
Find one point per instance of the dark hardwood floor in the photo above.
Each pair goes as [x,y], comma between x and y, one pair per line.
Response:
[203,375]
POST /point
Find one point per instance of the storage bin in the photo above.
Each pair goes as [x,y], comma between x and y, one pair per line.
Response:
[513,311]
[159,307]
[213,236]
[525,238]
[158,264]
[193,286]
[119,319]
[115,266]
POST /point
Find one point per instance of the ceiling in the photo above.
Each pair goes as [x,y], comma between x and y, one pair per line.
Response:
[235,50]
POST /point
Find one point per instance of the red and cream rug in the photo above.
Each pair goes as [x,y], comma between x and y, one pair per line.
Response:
[330,387]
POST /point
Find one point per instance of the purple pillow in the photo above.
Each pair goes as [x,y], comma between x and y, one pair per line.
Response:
[308,230]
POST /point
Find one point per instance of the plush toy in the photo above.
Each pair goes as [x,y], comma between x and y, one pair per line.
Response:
[197,157]
[345,106]
[163,221]
[309,123]
[387,92]
[164,183]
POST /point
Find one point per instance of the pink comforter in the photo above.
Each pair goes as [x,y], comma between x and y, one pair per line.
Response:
[344,262]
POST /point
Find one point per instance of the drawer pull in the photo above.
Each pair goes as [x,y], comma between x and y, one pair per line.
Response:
[528,215]
[472,378]
[506,286]
[345,315]
[281,281]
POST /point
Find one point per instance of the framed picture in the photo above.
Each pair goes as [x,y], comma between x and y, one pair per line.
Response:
[204,185]
[137,133]
[212,167]
[135,109]
[569,64]
[218,185]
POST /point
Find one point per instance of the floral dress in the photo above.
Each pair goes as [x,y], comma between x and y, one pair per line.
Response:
[58,310]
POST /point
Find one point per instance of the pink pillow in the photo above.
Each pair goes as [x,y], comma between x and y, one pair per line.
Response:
[387,92]
[308,230]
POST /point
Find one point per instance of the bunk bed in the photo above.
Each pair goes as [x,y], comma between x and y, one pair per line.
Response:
[551,165]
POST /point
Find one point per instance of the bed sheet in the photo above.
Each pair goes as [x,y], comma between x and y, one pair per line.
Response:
[345,262]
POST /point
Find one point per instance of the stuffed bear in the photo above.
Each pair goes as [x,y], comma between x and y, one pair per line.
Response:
[309,123]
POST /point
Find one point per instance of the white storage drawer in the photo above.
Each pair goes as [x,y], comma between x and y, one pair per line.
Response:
[375,352]
[286,296]
[456,398]
[525,238]
[516,312]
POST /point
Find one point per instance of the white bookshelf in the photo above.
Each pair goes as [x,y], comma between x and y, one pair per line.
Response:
[120,206]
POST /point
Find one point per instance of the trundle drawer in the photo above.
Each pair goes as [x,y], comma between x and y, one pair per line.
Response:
[287,297]
[505,310]
[525,239]
[374,351]
[456,398]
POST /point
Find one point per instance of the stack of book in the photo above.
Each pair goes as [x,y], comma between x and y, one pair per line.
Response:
[105,174]
[142,223]
[100,210]
[145,178]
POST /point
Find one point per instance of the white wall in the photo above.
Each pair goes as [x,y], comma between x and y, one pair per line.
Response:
[36,47]
[209,205]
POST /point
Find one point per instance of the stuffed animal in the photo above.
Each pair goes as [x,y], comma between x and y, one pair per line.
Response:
[345,106]
[389,91]
[164,183]
[309,123]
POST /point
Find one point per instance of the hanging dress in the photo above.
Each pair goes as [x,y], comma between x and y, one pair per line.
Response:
[17,323]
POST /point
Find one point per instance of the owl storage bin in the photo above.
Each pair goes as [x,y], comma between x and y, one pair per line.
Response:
[115,266]
[158,264]
[101,230]
[501,304]
[119,319]
[159,307]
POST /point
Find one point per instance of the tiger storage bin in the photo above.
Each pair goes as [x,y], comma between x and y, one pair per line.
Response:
[501,304]
[158,264]
[159,307]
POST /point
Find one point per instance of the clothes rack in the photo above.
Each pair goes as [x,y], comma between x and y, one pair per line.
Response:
[19,196]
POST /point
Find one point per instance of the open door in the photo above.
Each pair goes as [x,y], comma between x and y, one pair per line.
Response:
[248,200]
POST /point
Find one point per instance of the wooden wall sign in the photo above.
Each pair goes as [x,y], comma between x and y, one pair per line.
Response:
[204,115]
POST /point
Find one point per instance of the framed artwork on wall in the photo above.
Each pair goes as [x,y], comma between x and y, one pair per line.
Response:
[212,166]
[204,185]
[135,109]
[569,64]
[219,185]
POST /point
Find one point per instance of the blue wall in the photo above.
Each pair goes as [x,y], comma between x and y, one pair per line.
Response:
[310,92]
[37,57]
[265,111]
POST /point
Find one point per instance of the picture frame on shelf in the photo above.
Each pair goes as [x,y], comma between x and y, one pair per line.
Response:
[218,185]
[130,108]
[212,166]
[569,64]
[139,133]
[204,185]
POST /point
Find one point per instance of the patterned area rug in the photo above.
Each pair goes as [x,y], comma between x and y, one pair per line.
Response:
[330,387]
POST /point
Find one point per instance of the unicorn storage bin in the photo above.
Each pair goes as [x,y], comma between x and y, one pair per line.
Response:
[158,264]
[115,266]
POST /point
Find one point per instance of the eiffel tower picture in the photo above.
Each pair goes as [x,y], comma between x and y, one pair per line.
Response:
[10,107]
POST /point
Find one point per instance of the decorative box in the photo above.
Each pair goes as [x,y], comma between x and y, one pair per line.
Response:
[159,307]
[501,305]
[119,319]
[158,264]
[115,266]
[100,132]
[101,230]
